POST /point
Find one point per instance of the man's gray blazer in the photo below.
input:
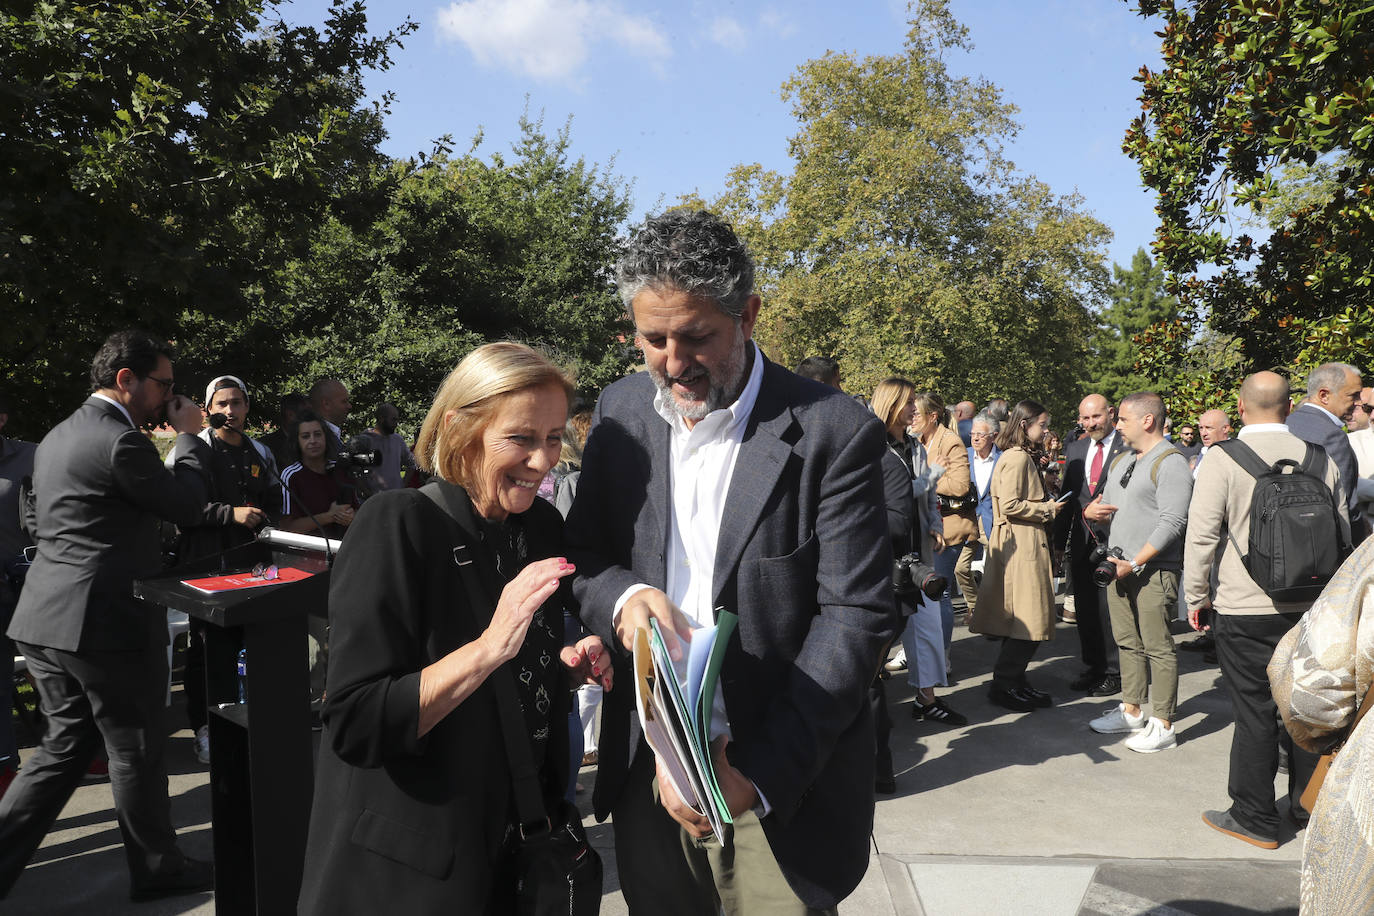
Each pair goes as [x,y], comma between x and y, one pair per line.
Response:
[101,489]
[1312,425]
[803,559]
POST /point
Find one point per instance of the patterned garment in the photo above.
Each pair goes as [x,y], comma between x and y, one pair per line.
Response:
[1320,673]
[537,669]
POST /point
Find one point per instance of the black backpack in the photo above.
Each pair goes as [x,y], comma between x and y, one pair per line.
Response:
[1295,528]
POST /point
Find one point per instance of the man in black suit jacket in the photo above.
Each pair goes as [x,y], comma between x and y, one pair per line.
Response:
[1101,675]
[97,654]
[1332,390]
[717,479]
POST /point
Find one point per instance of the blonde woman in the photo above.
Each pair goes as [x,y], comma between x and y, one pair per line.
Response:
[905,481]
[412,810]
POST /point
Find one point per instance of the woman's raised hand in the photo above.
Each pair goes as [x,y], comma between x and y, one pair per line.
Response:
[521,597]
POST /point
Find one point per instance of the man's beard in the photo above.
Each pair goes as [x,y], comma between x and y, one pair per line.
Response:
[722,390]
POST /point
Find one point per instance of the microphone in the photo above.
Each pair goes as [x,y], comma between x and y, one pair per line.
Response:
[217,420]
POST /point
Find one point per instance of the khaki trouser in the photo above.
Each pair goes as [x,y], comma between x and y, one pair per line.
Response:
[963,572]
[665,872]
[1141,606]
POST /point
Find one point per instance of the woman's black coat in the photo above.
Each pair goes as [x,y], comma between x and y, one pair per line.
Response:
[402,824]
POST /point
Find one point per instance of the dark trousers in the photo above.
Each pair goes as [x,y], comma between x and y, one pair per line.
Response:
[1012,660]
[882,728]
[9,749]
[1245,643]
[87,698]
[1097,648]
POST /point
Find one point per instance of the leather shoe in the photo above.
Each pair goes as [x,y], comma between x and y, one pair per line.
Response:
[1223,822]
[1088,679]
[1010,699]
[1109,686]
[195,877]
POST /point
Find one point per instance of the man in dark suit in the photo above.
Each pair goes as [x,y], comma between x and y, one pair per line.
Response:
[717,479]
[97,654]
[1086,460]
[1332,390]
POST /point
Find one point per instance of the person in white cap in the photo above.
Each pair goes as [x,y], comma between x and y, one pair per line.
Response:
[242,483]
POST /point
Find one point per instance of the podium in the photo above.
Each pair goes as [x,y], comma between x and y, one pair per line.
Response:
[261,761]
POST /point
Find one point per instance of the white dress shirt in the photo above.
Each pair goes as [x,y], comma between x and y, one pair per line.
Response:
[982,471]
[122,409]
[701,464]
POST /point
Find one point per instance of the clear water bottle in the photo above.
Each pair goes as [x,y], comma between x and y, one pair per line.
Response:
[243,675]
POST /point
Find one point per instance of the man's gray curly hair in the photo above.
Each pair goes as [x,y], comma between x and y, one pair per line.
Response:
[693,251]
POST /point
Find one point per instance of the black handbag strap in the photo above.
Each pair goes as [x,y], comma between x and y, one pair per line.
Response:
[529,802]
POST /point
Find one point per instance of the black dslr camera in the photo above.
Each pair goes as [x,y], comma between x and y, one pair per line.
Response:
[1104,571]
[360,453]
[910,575]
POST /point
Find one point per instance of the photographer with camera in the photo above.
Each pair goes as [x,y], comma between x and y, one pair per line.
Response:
[1016,599]
[915,526]
[1145,505]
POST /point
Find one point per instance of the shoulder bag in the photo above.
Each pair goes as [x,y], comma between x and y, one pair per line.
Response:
[1314,785]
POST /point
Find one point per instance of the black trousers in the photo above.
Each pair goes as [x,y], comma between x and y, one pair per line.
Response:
[1097,648]
[1245,643]
[1012,660]
[88,698]
[882,728]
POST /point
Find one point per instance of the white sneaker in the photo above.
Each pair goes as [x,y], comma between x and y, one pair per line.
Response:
[1154,737]
[203,744]
[897,662]
[1117,722]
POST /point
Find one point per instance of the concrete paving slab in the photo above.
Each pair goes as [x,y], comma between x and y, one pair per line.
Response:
[1007,793]
[996,888]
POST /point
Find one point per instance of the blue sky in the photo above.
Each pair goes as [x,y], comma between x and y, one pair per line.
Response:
[678,93]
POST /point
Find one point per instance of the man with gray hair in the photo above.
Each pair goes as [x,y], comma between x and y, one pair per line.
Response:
[713,481]
[1332,390]
[982,458]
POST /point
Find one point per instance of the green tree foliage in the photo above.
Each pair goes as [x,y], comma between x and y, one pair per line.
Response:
[1138,300]
[1249,90]
[465,251]
[905,242]
[163,157]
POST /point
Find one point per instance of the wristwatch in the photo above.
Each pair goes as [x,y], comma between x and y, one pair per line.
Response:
[1137,568]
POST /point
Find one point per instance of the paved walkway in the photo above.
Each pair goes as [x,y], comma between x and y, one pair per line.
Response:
[1013,814]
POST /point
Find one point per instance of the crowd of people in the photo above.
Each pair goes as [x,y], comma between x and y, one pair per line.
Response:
[465,609]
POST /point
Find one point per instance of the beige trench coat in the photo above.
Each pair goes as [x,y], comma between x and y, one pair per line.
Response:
[1016,597]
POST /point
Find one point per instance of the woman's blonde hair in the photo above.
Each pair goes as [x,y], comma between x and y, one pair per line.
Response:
[450,439]
[889,401]
[928,402]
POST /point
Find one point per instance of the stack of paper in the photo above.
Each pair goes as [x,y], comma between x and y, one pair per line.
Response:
[675,702]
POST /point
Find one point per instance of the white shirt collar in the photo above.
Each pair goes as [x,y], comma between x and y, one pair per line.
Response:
[122,409]
[723,420]
[334,429]
[1330,416]
[1251,429]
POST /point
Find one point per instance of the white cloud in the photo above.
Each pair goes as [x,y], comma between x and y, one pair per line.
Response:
[547,39]
[728,33]
[778,23]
